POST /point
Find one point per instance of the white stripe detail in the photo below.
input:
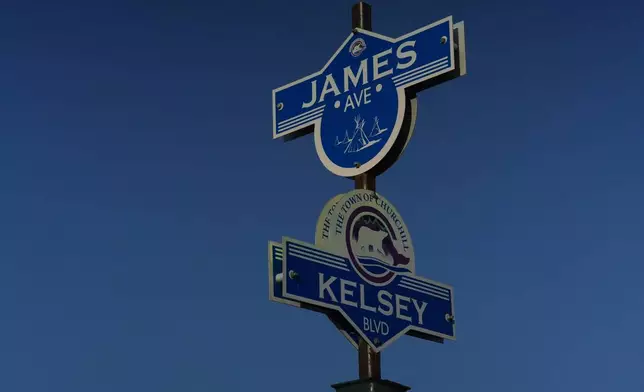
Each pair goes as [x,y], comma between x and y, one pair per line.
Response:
[420,72]
[417,287]
[416,70]
[422,75]
[422,291]
[426,290]
[304,121]
[327,264]
[426,285]
[288,121]
[318,252]
[318,259]
[310,256]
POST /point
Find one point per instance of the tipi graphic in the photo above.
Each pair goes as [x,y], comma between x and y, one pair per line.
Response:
[376,130]
[359,141]
[346,139]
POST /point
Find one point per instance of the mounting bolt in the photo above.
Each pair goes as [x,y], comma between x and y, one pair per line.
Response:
[449,318]
[376,341]
[280,106]
[293,275]
[443,40]
[279,278]
[356,164]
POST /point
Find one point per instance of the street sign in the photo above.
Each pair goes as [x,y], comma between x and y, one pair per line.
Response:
[363,268]
[359,105]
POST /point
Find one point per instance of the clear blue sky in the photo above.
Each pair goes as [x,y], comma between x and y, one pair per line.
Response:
[140,185]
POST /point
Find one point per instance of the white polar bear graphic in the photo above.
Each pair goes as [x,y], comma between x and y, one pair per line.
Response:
[370,241]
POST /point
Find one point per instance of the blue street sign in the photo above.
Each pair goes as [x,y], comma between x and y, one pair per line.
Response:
[362,268]
[379,313]
[358,104]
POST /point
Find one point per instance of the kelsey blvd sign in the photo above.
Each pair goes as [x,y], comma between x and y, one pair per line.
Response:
[363,268]
[358,104]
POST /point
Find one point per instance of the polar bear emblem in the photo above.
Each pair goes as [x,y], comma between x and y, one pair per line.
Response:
[371,240]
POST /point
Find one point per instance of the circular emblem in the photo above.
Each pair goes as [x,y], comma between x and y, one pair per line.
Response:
[367,229]
[357,47]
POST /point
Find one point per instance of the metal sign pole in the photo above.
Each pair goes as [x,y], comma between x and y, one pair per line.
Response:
[368,360]
[363,254]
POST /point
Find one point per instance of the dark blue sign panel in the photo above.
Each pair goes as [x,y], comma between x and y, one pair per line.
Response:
[356,103]
[379,313]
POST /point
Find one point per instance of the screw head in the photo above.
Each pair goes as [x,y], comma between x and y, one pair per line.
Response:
[280,106]
[293,275]
[449,318]
[443,40]
[376,341]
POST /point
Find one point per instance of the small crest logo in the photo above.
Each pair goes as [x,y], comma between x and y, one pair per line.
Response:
[368,230]
[357,47]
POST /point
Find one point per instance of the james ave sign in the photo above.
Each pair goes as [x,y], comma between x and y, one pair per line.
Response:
[359,104]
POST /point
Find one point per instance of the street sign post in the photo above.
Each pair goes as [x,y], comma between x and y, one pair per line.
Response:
[361,107]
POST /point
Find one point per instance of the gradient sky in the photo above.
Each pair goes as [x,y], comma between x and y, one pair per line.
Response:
[139,186]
